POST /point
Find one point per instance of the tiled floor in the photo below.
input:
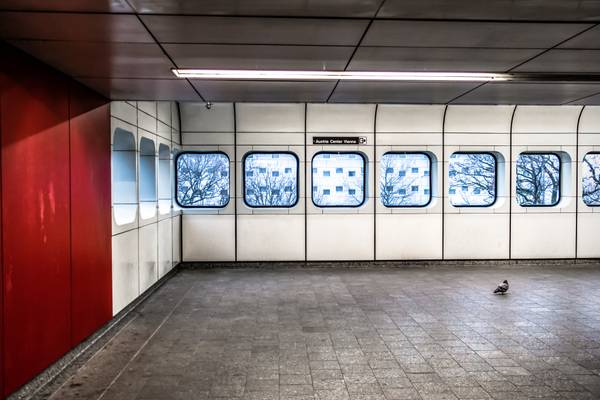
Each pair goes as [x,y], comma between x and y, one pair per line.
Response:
[376,333]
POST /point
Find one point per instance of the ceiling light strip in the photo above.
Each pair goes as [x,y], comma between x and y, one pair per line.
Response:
[214,74]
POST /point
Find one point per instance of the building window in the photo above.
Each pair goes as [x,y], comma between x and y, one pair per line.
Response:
[472,179]
[326,173]
[273,183]
[202,179]
[538,179]
[124,177]
[164,179]
[591,179]
[349,189]
[326,192]
[148,195]
[400,190]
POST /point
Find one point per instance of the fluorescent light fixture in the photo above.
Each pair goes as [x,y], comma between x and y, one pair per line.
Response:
[218,74]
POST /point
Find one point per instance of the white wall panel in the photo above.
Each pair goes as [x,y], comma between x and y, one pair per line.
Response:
[208,237]
[148,256]
[124,111]
[165,247]
[163,112]
[405,232]
[478,119]
[341,118]
[146,122]
[409,118]
[176,240]
[476,236]
[409,236]
[546,119]
[340,237]
[271,238]
[125,269]
[588,234]
[268,117]
[543,236]
[195,117]
[478,232]
[588,218]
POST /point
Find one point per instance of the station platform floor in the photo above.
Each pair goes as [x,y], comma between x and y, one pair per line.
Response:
[354,333]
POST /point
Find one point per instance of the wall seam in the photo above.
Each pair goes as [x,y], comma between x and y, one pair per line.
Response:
[235,177]
[69,100]
[3,300]
[375,183]
[510,181]
[443,180]
[305,185]
[576,163]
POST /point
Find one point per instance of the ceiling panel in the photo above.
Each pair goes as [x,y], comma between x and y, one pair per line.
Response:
[575,61]
[67,26]
[528,93]
[534,10]
[310,8]
[265,91]
[101,59]
[399,92]
[232,30]
[469,34]
[259,56]
[143,89]
[587,40]
[67,5]
[438,59]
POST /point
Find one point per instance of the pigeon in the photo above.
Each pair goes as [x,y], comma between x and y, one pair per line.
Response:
[502,288]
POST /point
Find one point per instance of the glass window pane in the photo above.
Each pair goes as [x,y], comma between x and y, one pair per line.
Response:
[472,179]
[591,179]
[339,189]
[538,179]
[271,179]
[399,189]
[202,180]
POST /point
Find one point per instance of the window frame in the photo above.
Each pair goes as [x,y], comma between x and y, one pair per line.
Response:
[271,152]
[495,179]
[430,178]
[597,153]
[364,180]
[559,178]
[177,179]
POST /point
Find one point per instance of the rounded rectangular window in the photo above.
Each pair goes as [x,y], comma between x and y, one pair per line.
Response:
[405,180]
[202,179]
[270,179]
[124,178]
[472,179]
[326,183]
[591,179]
[538,179]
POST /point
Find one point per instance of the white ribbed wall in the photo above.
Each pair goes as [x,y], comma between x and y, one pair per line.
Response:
[372,231]
[146,249]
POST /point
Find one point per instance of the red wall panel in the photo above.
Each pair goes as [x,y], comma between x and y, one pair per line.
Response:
[91,226]
[55,265]
[35,221]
